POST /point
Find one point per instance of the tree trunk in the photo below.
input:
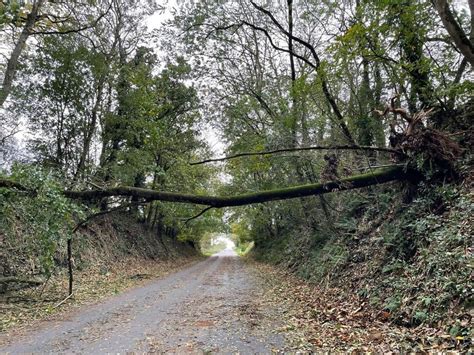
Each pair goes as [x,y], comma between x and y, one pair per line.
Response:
[89,134]
[462,42]
[358,181]
[69,263]
[380,176]
[20,44]
[294,101]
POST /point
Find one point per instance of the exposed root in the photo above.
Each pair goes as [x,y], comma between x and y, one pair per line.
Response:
[434,147]
[428,149]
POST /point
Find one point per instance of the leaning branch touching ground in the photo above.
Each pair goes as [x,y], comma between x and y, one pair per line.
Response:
[380,176]
[300,149]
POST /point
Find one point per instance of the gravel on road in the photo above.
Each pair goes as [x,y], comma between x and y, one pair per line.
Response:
[211,306]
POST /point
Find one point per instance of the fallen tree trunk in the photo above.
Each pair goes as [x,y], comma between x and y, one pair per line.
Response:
[379,176]
[353,182]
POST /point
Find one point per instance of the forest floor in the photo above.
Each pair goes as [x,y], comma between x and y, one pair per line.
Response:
[221,305]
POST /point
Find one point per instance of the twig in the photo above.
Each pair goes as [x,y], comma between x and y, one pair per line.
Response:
[378,167]
[95,185]
[64,300]
[14,131]
[44,286]
[459,133]
[74,30]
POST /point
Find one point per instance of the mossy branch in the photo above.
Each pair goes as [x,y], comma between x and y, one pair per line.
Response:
[13,185]
[375,177]
[353,182]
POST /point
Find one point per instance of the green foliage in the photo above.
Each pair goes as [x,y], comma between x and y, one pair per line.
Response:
[241,236]
[325,261]
[41,223]
[210,244]
[414,255]
[210,222]
[428,266]
[244,248]
[106,112]
[144,120]
[12,12]
[60,102]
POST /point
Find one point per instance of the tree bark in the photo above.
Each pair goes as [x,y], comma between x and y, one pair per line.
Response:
[20,44]
[358,181]
[380,176]
[294,103]
[462,42]
[69,263]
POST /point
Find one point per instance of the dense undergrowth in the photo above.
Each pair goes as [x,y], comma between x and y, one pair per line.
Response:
[110,254]
[410,260]
[36,227]
[97,248]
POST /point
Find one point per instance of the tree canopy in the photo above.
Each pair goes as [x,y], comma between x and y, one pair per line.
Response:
[303,97]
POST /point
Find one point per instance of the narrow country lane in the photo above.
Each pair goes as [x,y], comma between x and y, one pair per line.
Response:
[209,307]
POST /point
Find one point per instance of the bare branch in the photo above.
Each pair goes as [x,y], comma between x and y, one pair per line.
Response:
[285,150]
[267,34]
[327,94]
[74,30]
[14,131]
[101,213]
[199,214]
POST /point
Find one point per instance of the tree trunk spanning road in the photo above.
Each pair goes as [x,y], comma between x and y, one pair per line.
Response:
[378,176]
